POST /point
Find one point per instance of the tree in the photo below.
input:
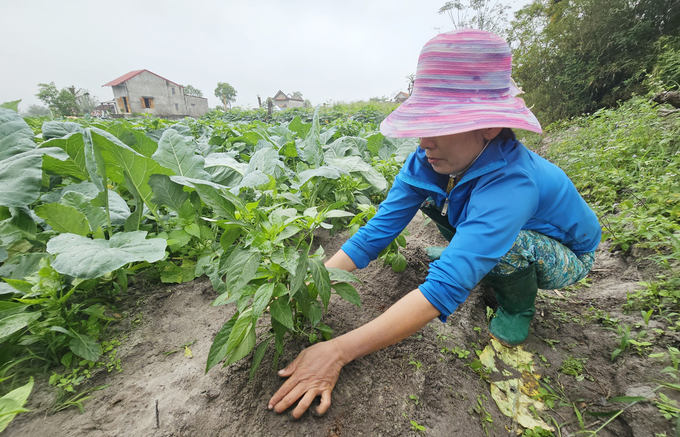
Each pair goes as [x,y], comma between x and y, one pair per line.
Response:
[578,56]
[68,101]
[190,90]
[36,111]
[490,15]
[226,93]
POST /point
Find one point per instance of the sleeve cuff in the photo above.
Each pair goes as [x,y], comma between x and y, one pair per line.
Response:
[356,254]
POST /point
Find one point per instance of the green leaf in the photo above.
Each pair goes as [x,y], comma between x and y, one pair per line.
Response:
[96,216]
[14,323]
[243,348]
[257,357]
[13,402]
[122,160]
[243,326]
[20,178]
[13,105]
[399,263]
[75,165]
[241,266]
[136,139]
[174,274]
[281,312]
[84,346]
[10,308]
[374,144]
[179,155]
[302,129]
[326,171]
[341,275]
[215,196]
[88,259]
[59,129]
[356,165]
[218,349]
[322,280]
[13,128]
[298,280]
[230,234]
[64,219]
[167,192]
[347,292]
[627,399]
[603,414]
[267,161]
[262,297]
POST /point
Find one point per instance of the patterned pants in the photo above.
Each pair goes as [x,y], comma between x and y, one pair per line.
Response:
[556,265]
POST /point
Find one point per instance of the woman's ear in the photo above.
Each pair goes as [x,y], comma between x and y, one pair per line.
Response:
[491,133]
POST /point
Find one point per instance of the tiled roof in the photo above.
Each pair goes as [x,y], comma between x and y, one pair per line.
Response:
[130,75]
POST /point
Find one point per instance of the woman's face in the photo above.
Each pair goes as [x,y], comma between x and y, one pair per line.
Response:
[453,153]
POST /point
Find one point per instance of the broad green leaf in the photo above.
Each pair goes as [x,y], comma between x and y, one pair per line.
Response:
[84,346]
[121,160]
[321,280]
[329,172]
[262,297]
[13,105]
[298,280]
[267,161]
[255,179]
[356,165]
[242,266]
[14,323]
[178,154]
[96,216]
[218,349]
[134,138]
[215,196]
[374,143]
[13,128]
[347,292]
[64,219]
[225,169]
[75,165]
[19,285]
[118,207]
[345,146]
[281,312]
[257,357]
[20,178]
[84,258]
[302,129]
[335,213]
[13,402]
[243,326]
[59,129]
[167,192]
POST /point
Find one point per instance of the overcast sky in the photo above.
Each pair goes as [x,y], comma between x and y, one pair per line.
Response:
[329,50]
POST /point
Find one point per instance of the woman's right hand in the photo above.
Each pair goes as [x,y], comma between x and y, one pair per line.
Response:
[313,373]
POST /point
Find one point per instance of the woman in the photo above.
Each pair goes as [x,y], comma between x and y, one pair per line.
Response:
[514,220]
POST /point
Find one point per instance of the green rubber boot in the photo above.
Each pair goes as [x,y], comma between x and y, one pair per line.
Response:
[515,294]
[434,253]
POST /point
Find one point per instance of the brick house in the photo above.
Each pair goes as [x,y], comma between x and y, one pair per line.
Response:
[142,91]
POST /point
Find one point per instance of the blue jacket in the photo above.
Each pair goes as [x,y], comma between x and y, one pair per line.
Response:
[509,188]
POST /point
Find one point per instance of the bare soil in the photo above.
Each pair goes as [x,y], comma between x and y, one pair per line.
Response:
[379,395]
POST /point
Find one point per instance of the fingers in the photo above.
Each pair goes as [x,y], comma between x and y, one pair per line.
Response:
[325,402]
[282,393]
[304,404]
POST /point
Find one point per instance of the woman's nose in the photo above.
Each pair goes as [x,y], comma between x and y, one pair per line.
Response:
[426,143]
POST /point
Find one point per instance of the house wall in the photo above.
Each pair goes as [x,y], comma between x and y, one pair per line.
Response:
[196,106]
[145,84]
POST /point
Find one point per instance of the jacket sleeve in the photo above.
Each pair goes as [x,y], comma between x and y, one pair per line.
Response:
[497,210]
[394,213]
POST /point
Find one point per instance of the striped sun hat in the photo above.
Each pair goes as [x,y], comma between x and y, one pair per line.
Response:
[462,84]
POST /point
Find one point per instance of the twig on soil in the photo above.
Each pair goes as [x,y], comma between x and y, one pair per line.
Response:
[606,393]
[158,422]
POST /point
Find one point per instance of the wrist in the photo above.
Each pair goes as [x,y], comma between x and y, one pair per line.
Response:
[343,349]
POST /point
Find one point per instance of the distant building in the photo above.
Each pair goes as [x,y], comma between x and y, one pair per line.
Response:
[401,97]
[142,91]
[283,100]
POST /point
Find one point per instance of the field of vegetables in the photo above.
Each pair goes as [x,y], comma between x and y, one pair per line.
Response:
[139,254]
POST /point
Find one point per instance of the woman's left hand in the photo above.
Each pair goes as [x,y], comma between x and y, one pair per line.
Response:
[313,373]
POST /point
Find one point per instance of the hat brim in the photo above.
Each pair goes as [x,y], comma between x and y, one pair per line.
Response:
[423,118]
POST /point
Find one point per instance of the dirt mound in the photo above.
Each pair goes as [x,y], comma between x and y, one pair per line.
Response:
[423,381]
